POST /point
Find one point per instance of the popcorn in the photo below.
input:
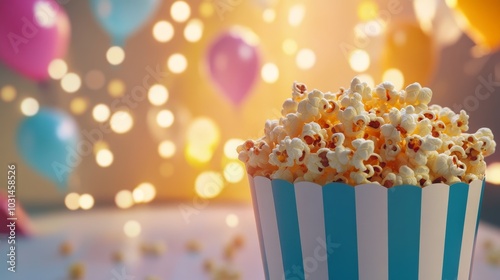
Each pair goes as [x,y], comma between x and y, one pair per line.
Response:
[360,135]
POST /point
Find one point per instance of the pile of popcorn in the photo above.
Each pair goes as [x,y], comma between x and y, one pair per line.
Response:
[359,135]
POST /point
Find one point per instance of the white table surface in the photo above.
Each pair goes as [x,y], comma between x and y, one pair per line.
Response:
[96,234]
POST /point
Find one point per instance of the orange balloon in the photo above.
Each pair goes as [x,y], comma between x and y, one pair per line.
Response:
[481,21]
[410,50]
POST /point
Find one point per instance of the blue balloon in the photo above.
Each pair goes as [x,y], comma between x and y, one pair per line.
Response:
[47,141]
[121,18]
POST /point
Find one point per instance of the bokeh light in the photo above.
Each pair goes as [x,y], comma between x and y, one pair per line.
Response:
[29,106]
[232,220]
[367,78]
[193,30]
[8,93]
[71,82]
[493,173]
[206,9]
[203,131]
[138,195]
[101,112]
[121,122]
[234,172]
[289,46]
[198,155]
[177,63]
[367,10]
[269,15]
[132,228]
[78,105]
[165,118]
[124,199]
[296,15]
[163,31]
[57,69]
[147,190]
[209,184]
[180,11]
[94,79]
[72,201]
[115,55]
[158,95]
[99,145]
[305,59]
[86,201]
[166,149]
[394,76]
[230,148]
[104,158]
[116,88]
[425,11]
[270,73]
[359,60]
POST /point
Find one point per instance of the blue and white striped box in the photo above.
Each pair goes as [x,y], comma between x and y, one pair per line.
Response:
[367,232]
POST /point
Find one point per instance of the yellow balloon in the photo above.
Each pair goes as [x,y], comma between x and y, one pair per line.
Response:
[481,20]
[410,50]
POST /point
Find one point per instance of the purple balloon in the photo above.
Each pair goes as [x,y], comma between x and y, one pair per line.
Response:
[33,32]
[233,64]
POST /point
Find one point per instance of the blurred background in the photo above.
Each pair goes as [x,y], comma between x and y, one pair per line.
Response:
[108,105]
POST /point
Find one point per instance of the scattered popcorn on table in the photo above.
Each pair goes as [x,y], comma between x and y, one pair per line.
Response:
[153,249]
[193,246]
[117,257]
[77,271]
[359,135]
[66,248]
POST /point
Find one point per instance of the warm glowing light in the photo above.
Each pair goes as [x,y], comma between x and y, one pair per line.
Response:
[234,172]
[209,184]
[198,154]
[296,15]
[203,132]
[289,46]
[166,149]
[44,14]
[206,9]
[177,63]
[158,95]
[270,73]
[367,10]
[146,192]
[57,69]
[124,199]
[269,15]
[165,118]
[232,220]
[8,93]
[138,195]
[180,11]
[104,158]
[394,76]
[115,55]
[163,31]
[71,82]
[359,60]
[72,201]
[425,10]
[121,122]
[132,228]
[368,79]
[193,30]
[100,145]
[230,148]
[86,201]
[493,173]
[94,79]
[29,106]
[116,88]
[101,112]
[305,59]
[78,105]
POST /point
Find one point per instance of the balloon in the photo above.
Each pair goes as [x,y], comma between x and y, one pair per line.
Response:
[233,64]
[48,143]
[33,32]
[481,21]
[121,18]
[410,50]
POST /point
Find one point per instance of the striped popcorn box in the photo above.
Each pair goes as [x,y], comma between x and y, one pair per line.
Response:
[367,232]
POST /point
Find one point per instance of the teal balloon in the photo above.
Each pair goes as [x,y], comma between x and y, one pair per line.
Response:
[121,18]
[48,142]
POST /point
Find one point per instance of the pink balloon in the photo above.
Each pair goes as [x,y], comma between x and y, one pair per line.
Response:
[233,65]
[33,32]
